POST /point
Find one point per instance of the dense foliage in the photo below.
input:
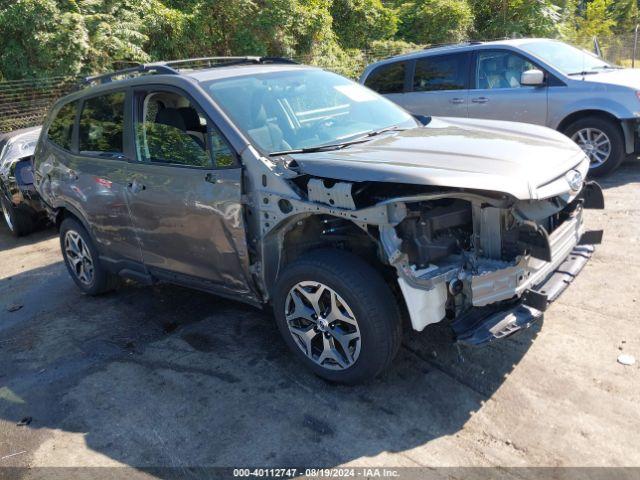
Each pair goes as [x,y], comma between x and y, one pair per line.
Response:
[70,37]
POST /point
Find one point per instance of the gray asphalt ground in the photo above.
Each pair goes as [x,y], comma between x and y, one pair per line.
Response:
[164,376]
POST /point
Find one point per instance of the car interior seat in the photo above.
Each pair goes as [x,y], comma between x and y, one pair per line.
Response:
[192,124]
[492,76]
[513,74]
[264,130]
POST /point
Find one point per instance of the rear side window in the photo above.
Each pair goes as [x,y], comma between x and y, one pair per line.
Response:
[61,127]
[445,72]
[101,125]
[387,78]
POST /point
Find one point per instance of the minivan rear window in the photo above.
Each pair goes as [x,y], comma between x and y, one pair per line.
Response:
[387,78]
[101,124]
[61,128]
[444,72]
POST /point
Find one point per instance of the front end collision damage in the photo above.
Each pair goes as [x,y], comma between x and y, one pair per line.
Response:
[478,259]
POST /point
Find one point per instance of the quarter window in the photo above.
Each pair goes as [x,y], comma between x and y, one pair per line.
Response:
[387,78]
[101,125]
[447,72]
[500,69]
[61,128]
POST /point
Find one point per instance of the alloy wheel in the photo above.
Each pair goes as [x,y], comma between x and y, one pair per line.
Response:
[323,325]
[595,143]
[7,216]
[79,257]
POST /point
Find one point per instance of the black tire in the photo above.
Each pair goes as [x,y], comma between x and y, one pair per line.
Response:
[369,298]
[102,281]
[18,222]
[612,130]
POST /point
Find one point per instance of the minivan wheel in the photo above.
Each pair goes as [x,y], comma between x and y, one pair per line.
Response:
[603,142]
[82,260]
[18,222]
[338,316]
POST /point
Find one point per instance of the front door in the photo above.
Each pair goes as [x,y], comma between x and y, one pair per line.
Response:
[497,93]
[185,196]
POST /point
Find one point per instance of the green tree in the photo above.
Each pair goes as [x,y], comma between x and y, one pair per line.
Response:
[625,16]
[357,23]
[39,40]
[116,31]
[435,21]
[504,18]
[596,22]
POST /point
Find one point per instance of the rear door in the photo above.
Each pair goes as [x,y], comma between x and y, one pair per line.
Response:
[439,86]
[497,93]
[91,170]
[185,195]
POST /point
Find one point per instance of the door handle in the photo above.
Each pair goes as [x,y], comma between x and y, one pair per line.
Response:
[136,187]
[456,101]
[212,178]
[480,100]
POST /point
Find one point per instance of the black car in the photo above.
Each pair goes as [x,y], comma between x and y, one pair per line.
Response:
[21,207]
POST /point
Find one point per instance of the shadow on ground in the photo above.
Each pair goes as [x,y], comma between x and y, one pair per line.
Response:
[164,376]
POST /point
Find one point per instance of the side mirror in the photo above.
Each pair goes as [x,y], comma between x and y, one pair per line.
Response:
[532,78]
[422,119]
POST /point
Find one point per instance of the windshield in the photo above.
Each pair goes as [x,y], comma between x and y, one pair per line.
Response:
[300,109]
[569,60]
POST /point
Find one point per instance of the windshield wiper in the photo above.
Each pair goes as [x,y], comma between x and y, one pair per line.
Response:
[594,70]
[319,148]
[582,73]
[338,146]
[375,133]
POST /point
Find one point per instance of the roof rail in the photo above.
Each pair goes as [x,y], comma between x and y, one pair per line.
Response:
[456,44]
[172,67]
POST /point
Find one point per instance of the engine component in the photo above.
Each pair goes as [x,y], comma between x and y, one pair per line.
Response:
[487,231]
[435,231]
[425,306]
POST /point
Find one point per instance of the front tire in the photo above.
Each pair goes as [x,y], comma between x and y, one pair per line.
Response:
[338,316]
[603,142]
[82,260]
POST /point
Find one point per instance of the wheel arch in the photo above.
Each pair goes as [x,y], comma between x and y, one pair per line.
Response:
[68,211]
[303,233]
[626,126]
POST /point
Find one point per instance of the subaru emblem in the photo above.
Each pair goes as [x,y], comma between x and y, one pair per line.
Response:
[574,178]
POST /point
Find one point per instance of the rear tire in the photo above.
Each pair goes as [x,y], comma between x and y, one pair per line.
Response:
[357,318]
[82,260]
[18,222]
[603,142]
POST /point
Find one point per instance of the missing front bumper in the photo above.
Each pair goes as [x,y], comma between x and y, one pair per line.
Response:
[484,325]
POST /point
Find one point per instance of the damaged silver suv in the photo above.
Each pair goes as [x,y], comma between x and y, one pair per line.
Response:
[291,187]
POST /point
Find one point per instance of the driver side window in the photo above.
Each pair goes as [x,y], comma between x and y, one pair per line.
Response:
[500,69]
[170,130]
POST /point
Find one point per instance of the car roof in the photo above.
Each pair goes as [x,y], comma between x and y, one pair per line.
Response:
[216,73]
[168,77]
[457,47]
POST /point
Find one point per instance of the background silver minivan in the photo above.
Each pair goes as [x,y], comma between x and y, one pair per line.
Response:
[540,81]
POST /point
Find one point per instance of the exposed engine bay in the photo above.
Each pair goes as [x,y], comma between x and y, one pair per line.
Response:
[451,249]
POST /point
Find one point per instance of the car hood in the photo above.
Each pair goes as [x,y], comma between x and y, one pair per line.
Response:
[625,77]
[521,160]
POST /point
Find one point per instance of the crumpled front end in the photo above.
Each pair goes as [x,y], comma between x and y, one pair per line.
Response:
[491,267]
